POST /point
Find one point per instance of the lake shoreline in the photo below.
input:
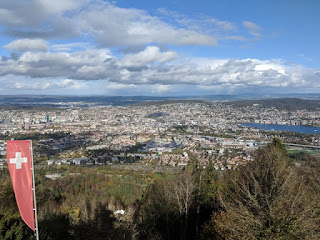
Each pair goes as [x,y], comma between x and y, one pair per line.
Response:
[289,128]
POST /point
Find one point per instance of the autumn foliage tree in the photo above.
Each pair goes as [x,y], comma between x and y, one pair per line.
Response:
[12,226]
[167,206]
[267,199]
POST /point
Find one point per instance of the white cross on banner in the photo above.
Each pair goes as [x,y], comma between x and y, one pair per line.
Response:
[18,160]
[19,164]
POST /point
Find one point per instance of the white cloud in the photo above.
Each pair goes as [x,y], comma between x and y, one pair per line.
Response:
[88,64]
[301,55]
[150,55]
[9,17]
[68,47]
[236,38]
[40,85]
[159,88]
[23,45]
[106,23]
[60,6]
[17,13]
[201,23]
[40,18]
[99,24]
[142,68]
[252,28]
[70,84]
[114,26]
[28,86]
[221,25]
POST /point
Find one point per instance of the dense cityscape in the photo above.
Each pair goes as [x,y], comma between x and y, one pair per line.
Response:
[157,134]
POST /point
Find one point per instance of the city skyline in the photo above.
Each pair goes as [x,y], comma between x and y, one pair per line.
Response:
[158,48]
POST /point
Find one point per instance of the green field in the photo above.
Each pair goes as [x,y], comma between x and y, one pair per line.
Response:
[311,152]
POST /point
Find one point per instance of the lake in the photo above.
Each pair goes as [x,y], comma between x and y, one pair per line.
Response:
[290,128]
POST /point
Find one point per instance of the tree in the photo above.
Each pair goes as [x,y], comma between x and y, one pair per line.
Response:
[167,206]
[13,228]
[277,143]
[267,199]
[11,225]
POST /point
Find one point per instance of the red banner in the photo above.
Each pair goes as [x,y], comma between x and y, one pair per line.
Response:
[19,164]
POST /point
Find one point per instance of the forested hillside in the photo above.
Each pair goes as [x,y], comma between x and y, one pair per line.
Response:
[290,104]
[273,197]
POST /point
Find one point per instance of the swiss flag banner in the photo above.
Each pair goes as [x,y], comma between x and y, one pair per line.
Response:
[19,164]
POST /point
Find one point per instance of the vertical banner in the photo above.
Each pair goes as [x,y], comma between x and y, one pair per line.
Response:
[19,165]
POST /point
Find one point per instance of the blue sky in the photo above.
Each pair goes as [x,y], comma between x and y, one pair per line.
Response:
[162,48]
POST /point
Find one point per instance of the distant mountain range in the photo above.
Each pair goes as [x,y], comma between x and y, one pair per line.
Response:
[85,101]
[289,104]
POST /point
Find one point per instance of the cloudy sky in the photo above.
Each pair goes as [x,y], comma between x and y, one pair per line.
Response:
[160,47]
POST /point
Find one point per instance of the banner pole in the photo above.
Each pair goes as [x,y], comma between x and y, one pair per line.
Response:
[34,195]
